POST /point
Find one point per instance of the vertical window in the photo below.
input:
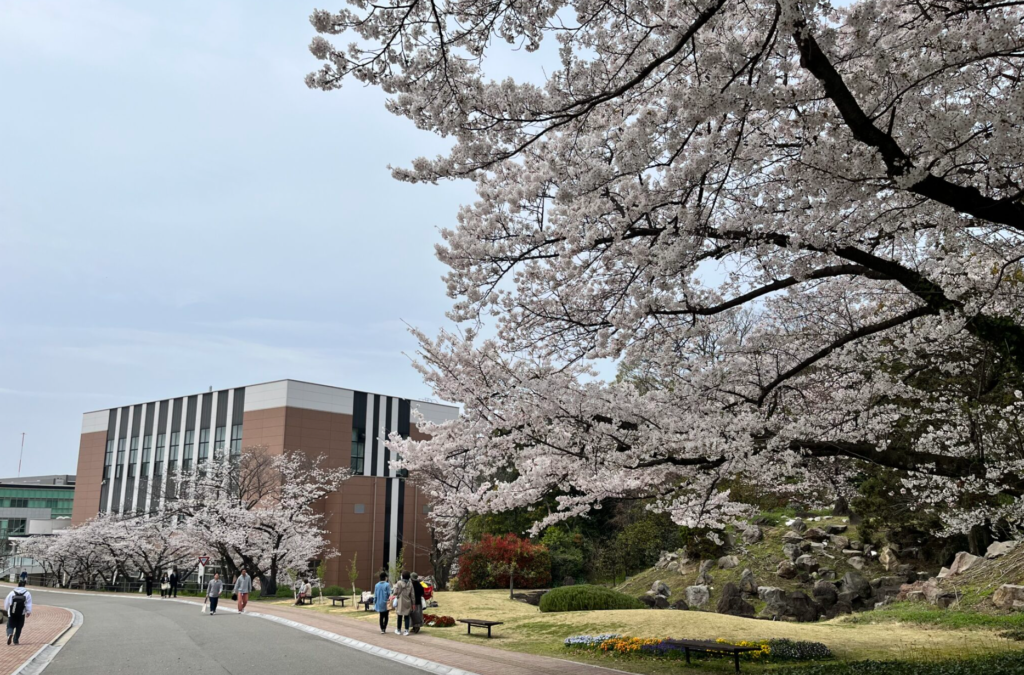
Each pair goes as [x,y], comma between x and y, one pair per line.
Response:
[358,450]
[186,454]
[204,444]
[175,444]
[161,442]
[236,440]
[147,453]
[133,456]
[220,438]
[108,459]
[119,469]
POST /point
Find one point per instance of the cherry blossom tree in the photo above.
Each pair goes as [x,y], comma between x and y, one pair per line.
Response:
[802,223]
[259,511]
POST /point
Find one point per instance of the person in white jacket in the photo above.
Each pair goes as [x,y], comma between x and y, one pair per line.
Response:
[18,606]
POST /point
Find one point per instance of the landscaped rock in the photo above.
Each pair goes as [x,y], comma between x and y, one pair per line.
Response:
[529,597]
[752,535]
[697,596]
[786,570]
[825,593]
[943,573]
[839,608]
[835,529]
[827,575]
[888,559]
[930,591]
[1009,596]
[795,606]
[888,582]
[798,525]
[856,584]
[791,551]
[807,563]
[680,604]
[805,546]
[792,537]
[747,582]
[660,602]
[731,602]
[839,541]
[704,576]
[659,587]
[1000,548]
[857,562]
[856,545]
[963,562]
[851,551]
[648,600]
[727,562]
[815,534]
[770,593]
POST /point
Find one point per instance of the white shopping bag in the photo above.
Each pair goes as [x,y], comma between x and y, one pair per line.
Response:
[202,608]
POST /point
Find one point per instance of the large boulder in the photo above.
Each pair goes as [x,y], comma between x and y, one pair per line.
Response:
[748,584]
[697,596]
[659,587]
[786,570]
[727,562]
[825,593]
[807,563]
[795,606]
[888,559]
[770,593]
[943,573]
[791,551]
[1009,596]
[648,600]
[857,562]
[928,591]
[680,604]
[704,576]
[963,562]
[815,534]
[792,537]
[752,535]
[839,541]
[798,525]
[731,602]
[835,529]
[856,584]
[1000,548]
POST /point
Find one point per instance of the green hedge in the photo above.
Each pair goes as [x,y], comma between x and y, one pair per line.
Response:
[1005,664]
[285,592]
[338,590]
[586,598]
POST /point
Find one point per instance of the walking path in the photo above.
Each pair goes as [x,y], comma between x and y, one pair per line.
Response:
[44,626]
[471,658]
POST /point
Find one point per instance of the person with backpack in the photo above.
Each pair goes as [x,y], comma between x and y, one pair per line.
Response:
[18,606]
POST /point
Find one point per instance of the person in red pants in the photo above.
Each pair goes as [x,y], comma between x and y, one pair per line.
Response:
[243,586]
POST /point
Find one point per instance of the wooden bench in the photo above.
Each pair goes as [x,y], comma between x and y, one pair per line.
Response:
[306,600]
[479,623]
[335,599]
[708,647]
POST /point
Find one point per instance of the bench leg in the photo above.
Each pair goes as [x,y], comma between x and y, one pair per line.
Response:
[488,632]
[737,656]
[469,628]
[686,651]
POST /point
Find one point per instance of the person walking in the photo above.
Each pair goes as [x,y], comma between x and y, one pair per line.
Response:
[404,599]
[381,595]
[18,606]
[165,585]
[213,592]
[24,576]
[243,586]
[173,581]
[417,605]
[149,585]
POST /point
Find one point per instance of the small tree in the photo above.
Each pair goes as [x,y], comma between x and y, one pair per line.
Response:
[396,567]
[353,575]
[321,574]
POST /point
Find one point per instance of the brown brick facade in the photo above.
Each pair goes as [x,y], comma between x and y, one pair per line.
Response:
[89,480]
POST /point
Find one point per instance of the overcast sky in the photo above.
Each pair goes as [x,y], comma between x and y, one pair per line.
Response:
[178,211]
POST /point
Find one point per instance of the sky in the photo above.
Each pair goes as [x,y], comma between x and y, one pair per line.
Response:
[178,211]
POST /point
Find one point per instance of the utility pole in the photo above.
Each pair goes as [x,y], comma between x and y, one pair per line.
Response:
[22,453]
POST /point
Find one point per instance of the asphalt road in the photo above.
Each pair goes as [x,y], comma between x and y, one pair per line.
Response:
[152,637]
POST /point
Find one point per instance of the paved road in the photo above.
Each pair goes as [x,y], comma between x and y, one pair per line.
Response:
[150,637]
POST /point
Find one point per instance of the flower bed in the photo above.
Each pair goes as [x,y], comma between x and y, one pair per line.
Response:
[776,649]
[438,621]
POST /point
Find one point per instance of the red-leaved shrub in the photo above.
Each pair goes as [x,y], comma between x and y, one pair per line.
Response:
[487,563]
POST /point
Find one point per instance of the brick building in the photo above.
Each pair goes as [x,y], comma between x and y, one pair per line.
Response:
[126,454]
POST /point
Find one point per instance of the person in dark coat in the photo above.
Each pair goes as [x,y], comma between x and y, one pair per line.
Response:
[173,580]
[149,585]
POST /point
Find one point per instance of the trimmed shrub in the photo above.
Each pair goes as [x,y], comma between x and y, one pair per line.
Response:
[284,592]
[338,590]
[784,649]
[586,598]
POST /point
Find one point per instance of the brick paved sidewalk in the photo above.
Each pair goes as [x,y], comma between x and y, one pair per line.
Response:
[42,628]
